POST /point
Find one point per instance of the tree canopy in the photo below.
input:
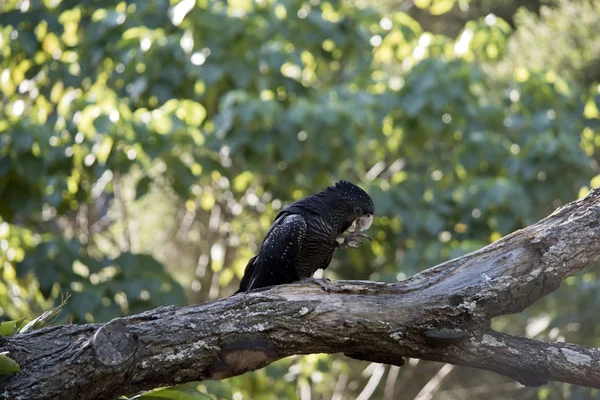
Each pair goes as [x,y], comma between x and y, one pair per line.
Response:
[146,146]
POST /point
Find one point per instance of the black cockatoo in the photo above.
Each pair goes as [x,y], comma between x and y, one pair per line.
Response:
[304,236]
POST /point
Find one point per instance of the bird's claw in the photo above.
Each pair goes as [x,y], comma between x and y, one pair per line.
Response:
[353,240]
[486,278]
[321,282]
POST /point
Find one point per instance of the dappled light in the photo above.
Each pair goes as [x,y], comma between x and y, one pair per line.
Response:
[146,146]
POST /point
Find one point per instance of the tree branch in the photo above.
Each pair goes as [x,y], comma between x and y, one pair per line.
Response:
[442,314]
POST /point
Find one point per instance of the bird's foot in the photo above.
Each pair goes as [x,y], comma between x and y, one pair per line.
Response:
[319,281]
[353,240]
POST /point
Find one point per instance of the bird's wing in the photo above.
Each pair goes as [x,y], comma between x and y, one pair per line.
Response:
[275,263]
[248,272]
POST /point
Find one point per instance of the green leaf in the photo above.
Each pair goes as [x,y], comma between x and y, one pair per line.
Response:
[440,7]
[187,391]
[102,123]
[21,322]
[133,288]
[136,265]
[22,142]
[86,301]
[423,3]
[414,104]
[7,364]
[28,43]
[47,275]
[290,151]
[142,187]
[5,166]
[8,328]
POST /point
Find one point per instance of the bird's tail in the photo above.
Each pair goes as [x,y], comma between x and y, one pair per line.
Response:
[248,272]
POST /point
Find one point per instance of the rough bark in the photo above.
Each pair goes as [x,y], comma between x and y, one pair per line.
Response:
[441,314]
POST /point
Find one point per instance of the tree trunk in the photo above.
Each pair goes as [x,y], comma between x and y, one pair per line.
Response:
[442,314]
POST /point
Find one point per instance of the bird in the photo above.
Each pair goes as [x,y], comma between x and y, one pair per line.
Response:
[305,235]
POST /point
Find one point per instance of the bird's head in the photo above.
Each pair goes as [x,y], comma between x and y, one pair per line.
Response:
[356,207]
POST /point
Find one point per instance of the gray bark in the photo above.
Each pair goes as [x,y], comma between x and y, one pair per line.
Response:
[442,314]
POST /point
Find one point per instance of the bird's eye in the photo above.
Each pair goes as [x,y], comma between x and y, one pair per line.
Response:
[358,210]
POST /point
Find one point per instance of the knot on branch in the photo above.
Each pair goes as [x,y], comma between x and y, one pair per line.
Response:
[113,344]
[532,378]
[241,354]
[442,337]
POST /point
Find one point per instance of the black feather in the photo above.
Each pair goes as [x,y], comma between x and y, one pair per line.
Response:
[275,262]
[303,236]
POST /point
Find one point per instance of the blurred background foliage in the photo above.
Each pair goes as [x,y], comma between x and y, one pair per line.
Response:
[146,146]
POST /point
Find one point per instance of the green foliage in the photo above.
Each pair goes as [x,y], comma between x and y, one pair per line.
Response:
[8,328]
[145,147]
[436,7]
[8,365]
[564,39]
[188,391]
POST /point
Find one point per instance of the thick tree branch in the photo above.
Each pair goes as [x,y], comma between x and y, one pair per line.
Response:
[441,314]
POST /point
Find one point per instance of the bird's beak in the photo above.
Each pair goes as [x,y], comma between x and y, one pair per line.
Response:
[361,223]
[365,222]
